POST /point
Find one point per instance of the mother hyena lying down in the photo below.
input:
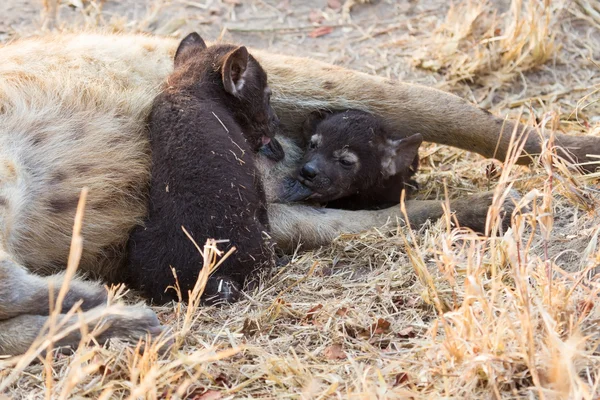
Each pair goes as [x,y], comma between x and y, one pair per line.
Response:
[72,112]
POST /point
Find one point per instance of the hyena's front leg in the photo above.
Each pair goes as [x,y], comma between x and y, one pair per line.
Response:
[292,224]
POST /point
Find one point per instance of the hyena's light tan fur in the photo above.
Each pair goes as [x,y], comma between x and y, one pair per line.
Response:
[72,114]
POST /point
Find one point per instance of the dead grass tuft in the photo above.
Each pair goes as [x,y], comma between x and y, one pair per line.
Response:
[477,43]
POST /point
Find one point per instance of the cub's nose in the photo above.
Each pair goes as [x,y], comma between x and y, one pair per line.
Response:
[308,171]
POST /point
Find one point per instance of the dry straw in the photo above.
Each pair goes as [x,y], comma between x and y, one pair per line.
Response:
[476,42]
[439,312]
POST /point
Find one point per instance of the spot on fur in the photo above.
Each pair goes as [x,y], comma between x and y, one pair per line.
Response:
[63,204]
[38,139]
[57,177]
[328,85]
[83,168]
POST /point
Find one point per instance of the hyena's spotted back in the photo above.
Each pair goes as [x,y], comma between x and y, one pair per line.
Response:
[72,111]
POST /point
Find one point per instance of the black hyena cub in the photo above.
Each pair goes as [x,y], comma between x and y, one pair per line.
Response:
[206,127]
[352,162]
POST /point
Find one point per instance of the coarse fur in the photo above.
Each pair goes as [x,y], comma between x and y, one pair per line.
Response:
[352,162]
[206,128]
[72,114]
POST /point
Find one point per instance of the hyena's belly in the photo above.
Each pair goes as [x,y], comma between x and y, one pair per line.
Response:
[42,171]
[72,115]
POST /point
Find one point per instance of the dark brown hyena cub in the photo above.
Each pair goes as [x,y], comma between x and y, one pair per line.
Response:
[353,163]
[205,130]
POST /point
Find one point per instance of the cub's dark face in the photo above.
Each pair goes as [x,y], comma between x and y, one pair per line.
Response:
[348,153]
[342,156]
[247,94]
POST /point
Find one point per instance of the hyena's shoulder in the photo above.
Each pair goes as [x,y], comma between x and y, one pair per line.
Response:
[72,112]
[109,66]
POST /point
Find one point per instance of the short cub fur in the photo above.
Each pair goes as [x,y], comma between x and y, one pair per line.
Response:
[205,130]
[352,162]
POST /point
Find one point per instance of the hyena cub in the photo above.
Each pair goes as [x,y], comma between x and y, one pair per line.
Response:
[352,162]
[205,130]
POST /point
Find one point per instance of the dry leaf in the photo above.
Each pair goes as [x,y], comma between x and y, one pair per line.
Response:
[310,314]
[407,332]
[380,327]
[401,378]
[341,312]
[208,395]
[321,31]
[584,307]
[334,352]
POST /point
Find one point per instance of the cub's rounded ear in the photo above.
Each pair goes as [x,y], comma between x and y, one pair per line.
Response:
[310,124]
[399,155]
[187,47]
[234,70]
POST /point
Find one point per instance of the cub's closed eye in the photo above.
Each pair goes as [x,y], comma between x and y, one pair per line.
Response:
[347,163]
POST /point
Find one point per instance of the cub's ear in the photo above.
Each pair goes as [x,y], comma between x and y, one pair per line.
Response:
[187,47]
[399,155]
[234,70]
[310,124]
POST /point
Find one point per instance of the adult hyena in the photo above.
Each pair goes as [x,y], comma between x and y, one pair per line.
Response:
[72,114]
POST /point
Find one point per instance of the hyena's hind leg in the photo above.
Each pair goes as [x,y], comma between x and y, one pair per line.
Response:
[22,292]
[301,86]
[25,306]
[17,334]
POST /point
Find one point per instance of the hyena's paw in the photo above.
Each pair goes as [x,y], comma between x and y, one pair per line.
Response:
[472,211]
[130,323]
[127,323]
[581,150]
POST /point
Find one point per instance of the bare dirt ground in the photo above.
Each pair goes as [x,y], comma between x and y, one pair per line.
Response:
[437,313]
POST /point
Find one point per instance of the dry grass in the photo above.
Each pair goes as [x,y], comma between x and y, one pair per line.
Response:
[477,41]
[395,313]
